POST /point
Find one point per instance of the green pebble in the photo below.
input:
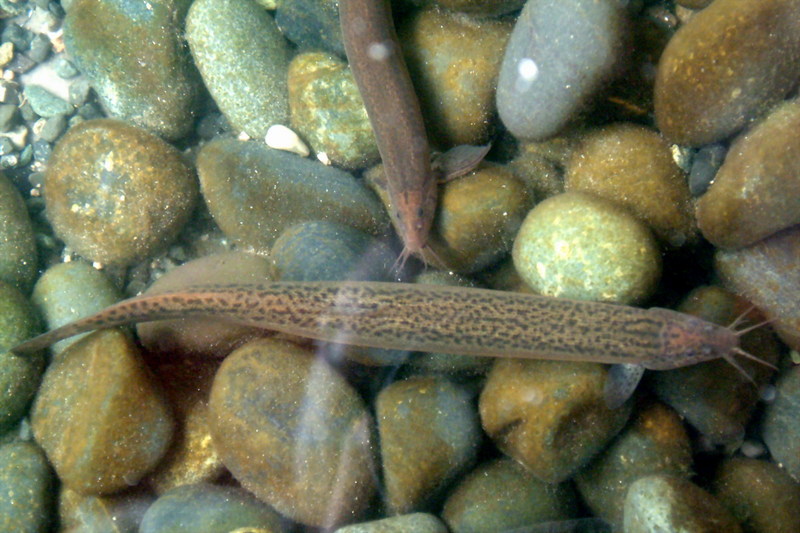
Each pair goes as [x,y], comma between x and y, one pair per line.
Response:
[133,53]
[27,503]
[19,375]
[100,415]
[116,193]
[655,442]
[780,427]
[409,523]
[243,58]
[430,434]
[68,291]
[254,193]
[18,262]
[210,509]
[502,495]
[328,111]
[293,432]
[45,103]
[671,503]
[327,251]
[586,248]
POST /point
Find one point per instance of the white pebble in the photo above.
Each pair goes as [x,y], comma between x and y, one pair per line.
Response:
[282,138]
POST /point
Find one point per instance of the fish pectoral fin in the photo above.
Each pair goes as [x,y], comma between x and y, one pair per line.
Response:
[621,383]
[459,160]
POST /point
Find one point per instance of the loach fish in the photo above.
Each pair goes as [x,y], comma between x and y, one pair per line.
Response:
[376,61]
[437,318]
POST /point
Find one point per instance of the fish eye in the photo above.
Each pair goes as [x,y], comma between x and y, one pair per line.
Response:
[420,212]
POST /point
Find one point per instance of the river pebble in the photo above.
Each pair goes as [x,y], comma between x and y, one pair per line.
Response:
[559,55]
[767,275]
[27,488]
[480,7]
[329,251]
[780,429]
[761,495]
[721,71]
[255,193]
[311,24]
[119,512]
[99,415]
[478,216]
[204,507]
[429,434]
[655,442]
[328,112]
[204,337]
[582,247]
[293,432]
[18,260]
[757,190]
[243,58]
[415,522]
[132,51]
[68,291]
[115,193]
[632,166]
[715,397]
[501,495]
[454,62]
[191,457]
[549,415]
[19,376]
[671,503]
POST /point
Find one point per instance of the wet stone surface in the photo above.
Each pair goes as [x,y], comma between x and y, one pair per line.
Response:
[255,193]
[720,70]
[99,415]
[116,193]
[284,423]
[583,247]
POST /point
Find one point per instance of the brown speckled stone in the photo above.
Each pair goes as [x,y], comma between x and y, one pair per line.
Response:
[100,416]
[429,433]
[26,488]
[756,191]
[654,443]
[632,166]
[192,457]
[549,415]
[116,193]
[454,61]
[761,495]
[728,65]
[293,432]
